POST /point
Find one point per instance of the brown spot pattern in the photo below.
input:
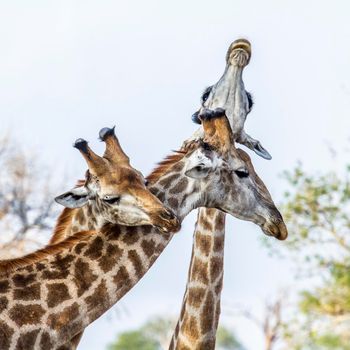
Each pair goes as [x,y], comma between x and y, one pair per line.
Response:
[27,340]
[180,186]
[136,261]
[216,267]
[3,303]
[5,335]
[45,341]
[26,314]
[31,292]
[112,256]
[203,242]
[4,286]
[196,296]
[83,277]
[190,327]
[94,250]
[61,319]
[99,299]
[200,271]
[207,317]
[56,294]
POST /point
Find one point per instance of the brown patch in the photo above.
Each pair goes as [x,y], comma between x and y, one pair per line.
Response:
[10,265]
[4,286]
[61,319]
[216,267]
[3,303]
[203,242]
[219,243]
[196,296]
[26,314]
[113,232]
[136,261]
[56,293]
[204,222]
[95,248]
[207,317]
[122,278]
[173,203]
[206,344]
[79,247]
[180,186]
[190,328]
[45,341]
[63,222]
[130,238]
[99,299]
[148,247]
[5,335]
[220,222]
[200,271]
[27,340]
[83,277]
[23,280]
[112,256]
[59,268]
[31,292]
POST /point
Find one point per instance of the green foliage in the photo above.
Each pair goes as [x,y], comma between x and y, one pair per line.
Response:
[134,340]
[317,211]
[156,334]
[226,340]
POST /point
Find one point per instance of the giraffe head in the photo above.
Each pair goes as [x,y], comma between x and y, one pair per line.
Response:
[229,93]
[228,179]
[117,189]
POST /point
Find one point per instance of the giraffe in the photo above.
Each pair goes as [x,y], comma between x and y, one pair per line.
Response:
[50,296]
[198,321]
[113,192]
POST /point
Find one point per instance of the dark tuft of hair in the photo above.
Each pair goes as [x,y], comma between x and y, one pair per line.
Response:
[250,100]
[207,114]
[105,132]
[81,145]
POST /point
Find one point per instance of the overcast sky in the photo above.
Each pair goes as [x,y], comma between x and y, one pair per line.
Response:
[69,68]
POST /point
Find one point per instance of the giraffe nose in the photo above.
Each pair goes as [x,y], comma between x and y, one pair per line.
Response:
[168,221]
[239,53]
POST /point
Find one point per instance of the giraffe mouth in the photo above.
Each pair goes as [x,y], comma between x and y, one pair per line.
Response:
[239,53]
[167,222]
[277,230]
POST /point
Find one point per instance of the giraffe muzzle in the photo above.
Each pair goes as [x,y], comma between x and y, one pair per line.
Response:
[239,53]
[166,221]
[277,230]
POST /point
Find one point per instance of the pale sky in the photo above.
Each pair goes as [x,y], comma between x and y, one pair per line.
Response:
[69,68]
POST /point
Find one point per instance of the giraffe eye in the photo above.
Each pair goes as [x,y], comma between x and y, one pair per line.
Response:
[242,173]
[111,200]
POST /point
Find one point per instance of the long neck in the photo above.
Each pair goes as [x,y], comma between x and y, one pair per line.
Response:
[200,311]
[72,221]
[69,290]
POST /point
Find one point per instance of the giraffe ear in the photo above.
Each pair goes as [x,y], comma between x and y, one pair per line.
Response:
[75,198]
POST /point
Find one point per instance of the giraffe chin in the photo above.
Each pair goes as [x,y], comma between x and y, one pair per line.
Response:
[277,230]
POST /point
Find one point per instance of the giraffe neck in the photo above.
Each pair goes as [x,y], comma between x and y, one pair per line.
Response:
[48,301]
[200,311]
[72,221]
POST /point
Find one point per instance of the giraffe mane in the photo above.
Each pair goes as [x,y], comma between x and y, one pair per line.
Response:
[10,265]
[163,166]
